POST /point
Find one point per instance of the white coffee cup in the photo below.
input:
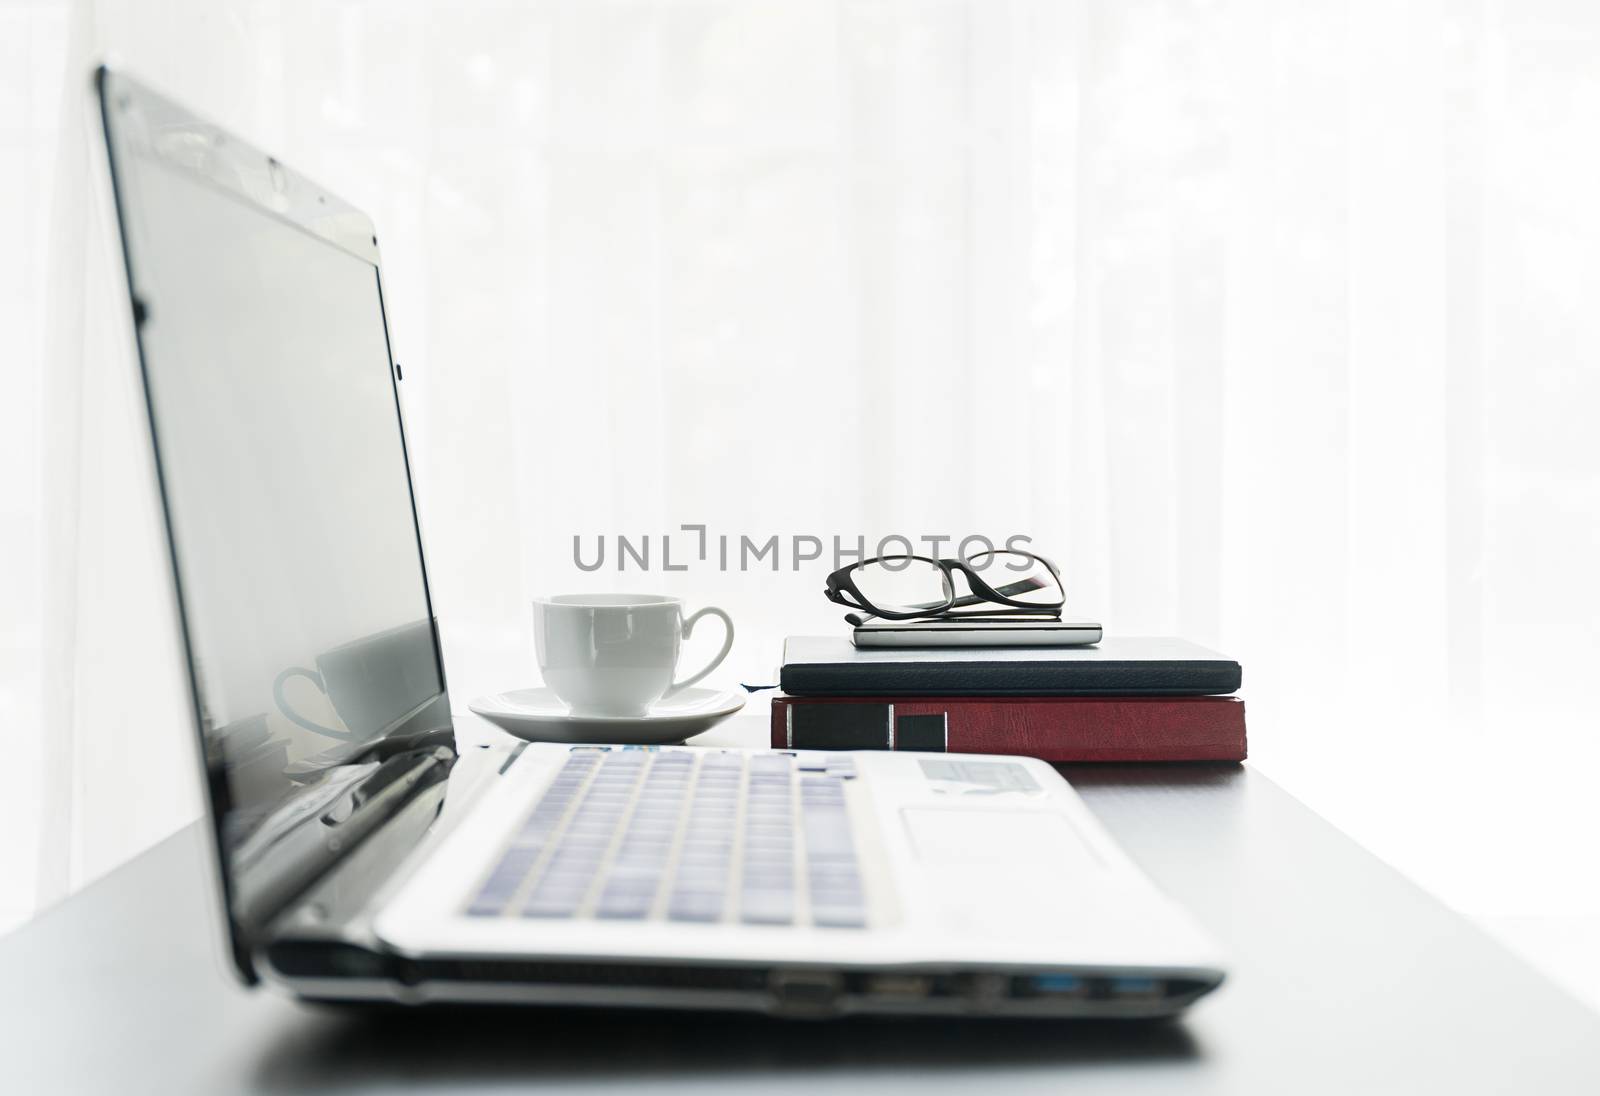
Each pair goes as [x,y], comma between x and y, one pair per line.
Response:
[615,654]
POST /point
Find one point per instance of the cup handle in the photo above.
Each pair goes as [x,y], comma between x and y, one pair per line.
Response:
[295,717]
[727,645]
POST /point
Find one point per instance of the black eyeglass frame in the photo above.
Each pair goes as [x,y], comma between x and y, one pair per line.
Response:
[839,584]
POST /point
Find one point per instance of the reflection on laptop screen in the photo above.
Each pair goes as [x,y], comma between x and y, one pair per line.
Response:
[268,373]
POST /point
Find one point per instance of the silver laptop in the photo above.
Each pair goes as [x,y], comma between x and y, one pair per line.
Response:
[360,857]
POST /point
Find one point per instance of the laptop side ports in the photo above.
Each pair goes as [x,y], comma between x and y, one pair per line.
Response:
[898,987]
[800,992]
[1050,986]
[1135,989]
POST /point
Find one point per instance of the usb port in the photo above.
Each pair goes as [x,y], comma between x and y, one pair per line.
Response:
[1142,989]
[1053,985]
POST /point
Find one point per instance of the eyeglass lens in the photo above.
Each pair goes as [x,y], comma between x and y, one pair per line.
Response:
[1019,576]
[903,584]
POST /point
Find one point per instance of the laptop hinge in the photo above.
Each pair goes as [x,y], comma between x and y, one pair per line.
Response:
[301,857]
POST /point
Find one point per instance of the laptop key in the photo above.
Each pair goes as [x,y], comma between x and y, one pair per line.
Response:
[696,906]
[631,902]
[503,882]
[839,916]
[562,902]
[767,907]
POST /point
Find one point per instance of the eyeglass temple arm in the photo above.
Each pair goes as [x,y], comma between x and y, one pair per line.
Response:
[1010,589]
[1021,586]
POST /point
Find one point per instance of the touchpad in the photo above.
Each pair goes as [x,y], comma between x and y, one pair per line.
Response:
[942,835]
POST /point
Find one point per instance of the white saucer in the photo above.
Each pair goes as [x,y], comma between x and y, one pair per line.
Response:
[540,716]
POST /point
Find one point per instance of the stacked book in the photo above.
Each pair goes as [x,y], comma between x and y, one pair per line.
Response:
[1124,699]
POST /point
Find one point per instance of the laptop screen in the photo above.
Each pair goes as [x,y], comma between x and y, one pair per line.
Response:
[283,469]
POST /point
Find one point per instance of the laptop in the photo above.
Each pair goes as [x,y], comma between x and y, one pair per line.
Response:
[360,856]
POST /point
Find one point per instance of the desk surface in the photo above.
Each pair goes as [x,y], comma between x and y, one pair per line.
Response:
[1345,978]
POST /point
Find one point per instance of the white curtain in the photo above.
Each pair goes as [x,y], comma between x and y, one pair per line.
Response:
[1273,323]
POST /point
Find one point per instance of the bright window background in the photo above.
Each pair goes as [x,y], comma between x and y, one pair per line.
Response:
[1275,324]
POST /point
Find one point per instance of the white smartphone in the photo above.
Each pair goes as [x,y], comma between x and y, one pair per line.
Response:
[994,632]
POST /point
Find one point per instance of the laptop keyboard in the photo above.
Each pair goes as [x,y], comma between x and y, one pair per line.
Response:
[685,836]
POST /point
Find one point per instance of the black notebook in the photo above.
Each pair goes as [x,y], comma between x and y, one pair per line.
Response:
[1116,666]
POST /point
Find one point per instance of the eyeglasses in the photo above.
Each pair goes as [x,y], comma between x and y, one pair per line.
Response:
[907,587]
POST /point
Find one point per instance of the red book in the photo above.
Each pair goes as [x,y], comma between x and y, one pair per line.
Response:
[1051,728]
